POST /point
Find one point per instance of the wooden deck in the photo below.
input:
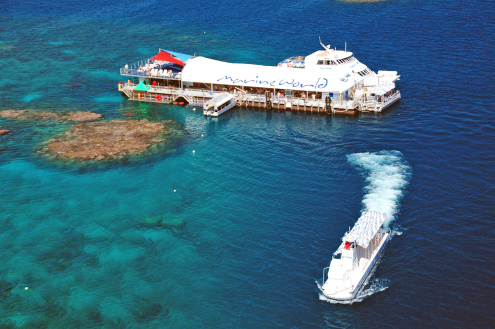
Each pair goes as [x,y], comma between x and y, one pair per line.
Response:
[175,96]
[294,107]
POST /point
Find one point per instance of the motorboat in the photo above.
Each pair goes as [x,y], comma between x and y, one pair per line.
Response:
[355,258]
[219,105]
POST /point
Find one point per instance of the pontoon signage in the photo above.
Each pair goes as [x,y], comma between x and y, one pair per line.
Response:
[320,83]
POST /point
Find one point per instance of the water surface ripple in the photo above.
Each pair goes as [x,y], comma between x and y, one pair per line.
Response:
[263,201]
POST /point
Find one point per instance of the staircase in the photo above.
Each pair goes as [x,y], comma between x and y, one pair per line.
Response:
[190,99]
[127,90]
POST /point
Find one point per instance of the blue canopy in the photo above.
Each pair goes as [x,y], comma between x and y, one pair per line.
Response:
[182,57]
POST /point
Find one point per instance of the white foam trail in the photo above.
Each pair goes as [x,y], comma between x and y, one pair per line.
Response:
[374,286]
[387,174]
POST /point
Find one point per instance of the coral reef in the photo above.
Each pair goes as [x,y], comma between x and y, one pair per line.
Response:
[111,139]
[33,115]
[160,221]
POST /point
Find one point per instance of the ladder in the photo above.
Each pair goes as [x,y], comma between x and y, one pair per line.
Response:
[189,98]
[127,90]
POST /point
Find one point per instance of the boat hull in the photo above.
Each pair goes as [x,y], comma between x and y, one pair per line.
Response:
[351,293]
[216,114]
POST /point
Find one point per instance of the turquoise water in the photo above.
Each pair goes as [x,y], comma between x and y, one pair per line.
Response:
[262,202]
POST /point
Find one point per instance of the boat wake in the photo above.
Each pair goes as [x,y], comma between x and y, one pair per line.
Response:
[387,174]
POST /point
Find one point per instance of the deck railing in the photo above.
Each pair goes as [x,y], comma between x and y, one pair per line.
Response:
[377,105]
[133,71]
[197,95]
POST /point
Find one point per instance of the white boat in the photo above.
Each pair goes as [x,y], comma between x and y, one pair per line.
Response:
[325,81]
[355,258]
[218,105]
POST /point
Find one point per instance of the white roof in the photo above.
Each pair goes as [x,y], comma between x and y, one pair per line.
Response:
[382,88]
[364,230]
[330,54]
[222,98]
[209,71]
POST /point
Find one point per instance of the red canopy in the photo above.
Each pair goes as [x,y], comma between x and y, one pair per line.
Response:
[166,57]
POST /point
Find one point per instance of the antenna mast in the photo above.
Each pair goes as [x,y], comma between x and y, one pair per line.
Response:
[326,47]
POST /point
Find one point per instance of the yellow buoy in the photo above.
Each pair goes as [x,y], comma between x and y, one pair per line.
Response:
[26,288]
[175,191]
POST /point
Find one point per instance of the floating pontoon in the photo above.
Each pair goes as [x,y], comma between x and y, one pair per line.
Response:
[326,81]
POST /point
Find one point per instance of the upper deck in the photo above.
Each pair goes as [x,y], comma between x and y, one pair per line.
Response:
[165,65]
[330,57]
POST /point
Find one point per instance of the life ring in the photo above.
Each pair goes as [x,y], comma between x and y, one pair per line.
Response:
[158,97]
[289,65]
[377,240]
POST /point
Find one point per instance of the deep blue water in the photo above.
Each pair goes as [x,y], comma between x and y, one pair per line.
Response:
[263,201]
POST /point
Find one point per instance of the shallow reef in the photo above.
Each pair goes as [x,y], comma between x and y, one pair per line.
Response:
[110,140]
[34,115]
[160,221]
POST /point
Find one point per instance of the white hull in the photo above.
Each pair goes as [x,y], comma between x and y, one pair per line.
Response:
[352,282]
[218,113]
